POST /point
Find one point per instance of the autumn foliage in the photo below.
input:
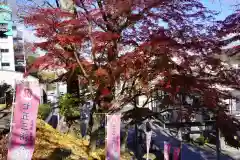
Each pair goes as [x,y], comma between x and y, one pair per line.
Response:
[136,48]
[230,30]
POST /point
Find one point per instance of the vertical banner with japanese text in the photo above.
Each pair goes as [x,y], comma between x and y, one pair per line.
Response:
[148,142]
[113,137]
[167,147]
[176,153]
[23,133]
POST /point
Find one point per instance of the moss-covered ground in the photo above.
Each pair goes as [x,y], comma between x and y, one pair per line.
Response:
[52,145]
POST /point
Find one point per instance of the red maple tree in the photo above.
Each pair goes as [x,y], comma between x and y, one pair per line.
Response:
[229,32]
[229,36]
[135,48]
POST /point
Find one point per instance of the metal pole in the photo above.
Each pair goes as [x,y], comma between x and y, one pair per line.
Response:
[13,105]
[136,140]
[217,143]
[180,138]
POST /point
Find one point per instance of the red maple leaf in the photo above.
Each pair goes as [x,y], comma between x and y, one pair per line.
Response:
[105,92]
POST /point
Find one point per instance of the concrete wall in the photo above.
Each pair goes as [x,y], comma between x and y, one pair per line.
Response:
[10,77]
[8,57]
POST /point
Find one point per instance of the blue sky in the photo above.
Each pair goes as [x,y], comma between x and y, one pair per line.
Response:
[225,7]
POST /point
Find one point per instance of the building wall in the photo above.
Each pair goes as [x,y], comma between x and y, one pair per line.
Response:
[7,54]
[10,77]
[18,43]
[6,40]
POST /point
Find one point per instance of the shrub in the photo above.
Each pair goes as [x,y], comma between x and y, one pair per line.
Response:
[201,140]
[43,111]
[69,106]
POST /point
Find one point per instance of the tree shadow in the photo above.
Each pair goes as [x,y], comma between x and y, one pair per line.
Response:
[60,154]
[5,118]
[188,151]
[5,114]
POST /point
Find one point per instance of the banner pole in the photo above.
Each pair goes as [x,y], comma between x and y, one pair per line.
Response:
[27,98]
[106,135]
[13,105]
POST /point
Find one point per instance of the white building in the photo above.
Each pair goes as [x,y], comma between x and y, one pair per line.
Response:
[18,46]
[6,39]
[11,42]
[10,36]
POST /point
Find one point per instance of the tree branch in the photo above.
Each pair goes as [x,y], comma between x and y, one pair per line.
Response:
[87,15]
[104,16]
[57,3]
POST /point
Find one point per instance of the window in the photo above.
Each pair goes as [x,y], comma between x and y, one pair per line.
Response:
[18,50]
[3,27]
[4,50]
[5,64]
[3,37]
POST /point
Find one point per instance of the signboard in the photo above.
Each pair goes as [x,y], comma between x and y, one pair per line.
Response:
[23,132]
[167,147]
[113,137]
[176,153]
[148,141]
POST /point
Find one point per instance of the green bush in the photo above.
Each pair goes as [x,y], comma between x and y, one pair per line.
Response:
[201,140]
[69,106]
[43,111]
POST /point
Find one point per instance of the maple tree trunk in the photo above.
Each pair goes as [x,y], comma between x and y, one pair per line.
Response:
[92,125]
[93,131]
[124,141]
[73,87]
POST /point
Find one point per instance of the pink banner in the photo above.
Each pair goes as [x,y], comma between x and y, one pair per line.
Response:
[167,148]
[148,142]
[23,133]
[176,153]
[113,137]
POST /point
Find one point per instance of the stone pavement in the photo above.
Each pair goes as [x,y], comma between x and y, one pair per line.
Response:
[189,151]
[5,116]
[233,152]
